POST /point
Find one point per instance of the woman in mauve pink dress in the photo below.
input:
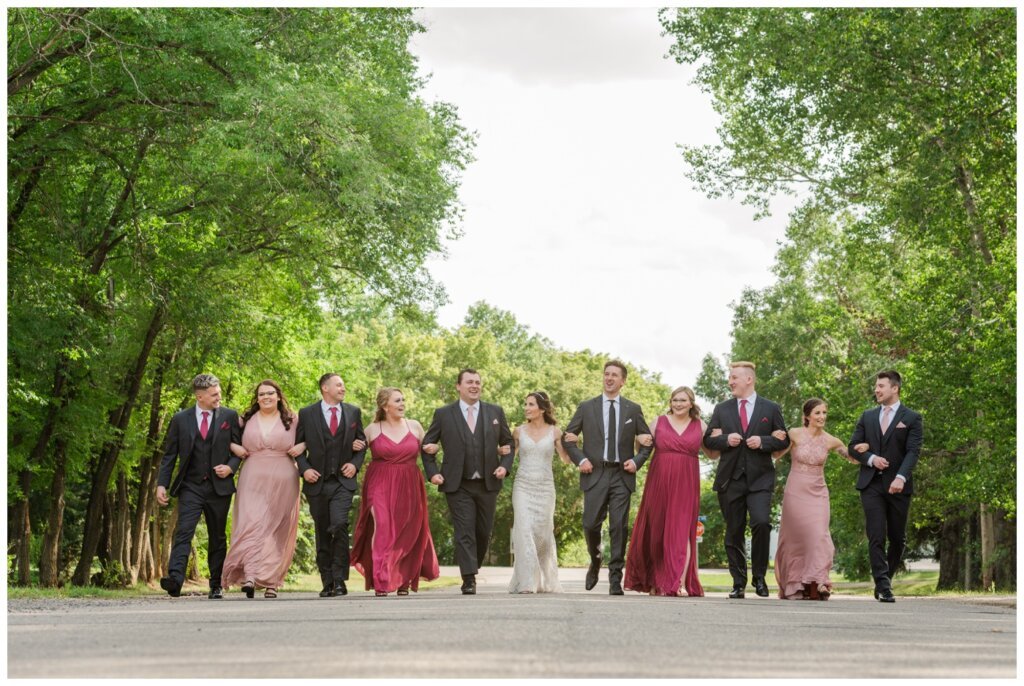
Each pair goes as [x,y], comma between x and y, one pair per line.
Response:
[392,547]
[265,519]
[804,555]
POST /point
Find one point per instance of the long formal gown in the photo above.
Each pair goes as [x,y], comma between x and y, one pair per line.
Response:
[805,549]
[662,552]
[266,511]
[533,523]
[392,547]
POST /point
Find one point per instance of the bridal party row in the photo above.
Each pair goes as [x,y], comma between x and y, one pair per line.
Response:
[324,447]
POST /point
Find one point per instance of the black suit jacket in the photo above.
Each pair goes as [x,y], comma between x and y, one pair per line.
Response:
[901,445]
[314,432]
[589,420]
[449,427]
[181,437]
[760,469]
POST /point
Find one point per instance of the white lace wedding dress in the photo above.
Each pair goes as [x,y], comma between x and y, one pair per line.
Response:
[533,508]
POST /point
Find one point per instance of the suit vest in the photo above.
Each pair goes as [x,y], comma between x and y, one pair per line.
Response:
[333,445]
[200,467]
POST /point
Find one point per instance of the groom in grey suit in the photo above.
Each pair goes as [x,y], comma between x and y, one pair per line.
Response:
[477,446]
[609,424]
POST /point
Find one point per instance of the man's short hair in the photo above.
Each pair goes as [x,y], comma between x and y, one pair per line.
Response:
[203,381]
[617,363]
[743,364]
[463,371]
[327,377]
[893,376]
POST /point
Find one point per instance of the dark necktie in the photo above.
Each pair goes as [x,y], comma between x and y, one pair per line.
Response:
[613,452]
[334,420]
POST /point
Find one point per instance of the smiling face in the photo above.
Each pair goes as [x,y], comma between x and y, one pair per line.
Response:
[614,380]
[333,390]
[267,398]
[680,404]
[741,381]
[530,408]
[816,418]
[395,406]
[469,388]
[208,398]
[886,392]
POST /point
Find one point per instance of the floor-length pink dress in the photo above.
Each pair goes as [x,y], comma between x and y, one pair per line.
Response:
[662,549]
[392,547]
[266,510]
[805,549]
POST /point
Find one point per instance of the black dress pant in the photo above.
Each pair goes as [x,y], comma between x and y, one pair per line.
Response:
[330,511]
[885,516]
[608,497]
[195,500]
[737,502]
[472,509]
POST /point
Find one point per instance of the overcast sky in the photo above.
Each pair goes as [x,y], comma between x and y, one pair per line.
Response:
[578,217]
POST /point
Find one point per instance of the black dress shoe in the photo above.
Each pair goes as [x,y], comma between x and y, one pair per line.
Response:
[340,588]
[172,587]
[327,592]
[885,595]
[249,588]
[592,571]
[615,588]
[737,592]
[469,584]
[216,593]
[760,587]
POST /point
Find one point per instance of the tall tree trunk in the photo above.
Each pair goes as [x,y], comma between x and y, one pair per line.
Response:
[23,548]
[1005,568]
[119,419]
[950,558]
[988,548]
[49,556]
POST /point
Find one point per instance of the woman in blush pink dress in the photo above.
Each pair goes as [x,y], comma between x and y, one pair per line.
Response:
[266,514]
[805,550]
[662,556]
[392,547]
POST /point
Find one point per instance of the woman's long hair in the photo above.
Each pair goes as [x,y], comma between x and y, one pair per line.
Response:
[282,403]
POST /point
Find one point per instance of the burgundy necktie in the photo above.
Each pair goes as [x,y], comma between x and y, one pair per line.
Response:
[743,415]
[334,420]
[204,426]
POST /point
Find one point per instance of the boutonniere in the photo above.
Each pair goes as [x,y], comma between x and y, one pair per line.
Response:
[901,425]
[224,426]
[495,422]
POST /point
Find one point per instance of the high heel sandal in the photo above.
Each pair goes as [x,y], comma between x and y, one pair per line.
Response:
[270,593]
[403,591]
[249,588]
[380,594]
[823,592]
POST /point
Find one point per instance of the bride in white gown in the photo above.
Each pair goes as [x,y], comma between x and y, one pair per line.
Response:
[533,499]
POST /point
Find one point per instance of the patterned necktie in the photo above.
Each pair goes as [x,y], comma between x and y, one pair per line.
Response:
[613,426]
[334,420]
[886,418]
[204,426]
[470,419]
[743,415]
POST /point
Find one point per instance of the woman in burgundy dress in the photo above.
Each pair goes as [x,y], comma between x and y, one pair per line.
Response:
[805,550]
[392,547]
[266,514]
[662,551]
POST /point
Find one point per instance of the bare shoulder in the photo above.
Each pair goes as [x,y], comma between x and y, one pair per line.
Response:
[834,442]
[515,432]
[796,434]
[372,431]
[416,428]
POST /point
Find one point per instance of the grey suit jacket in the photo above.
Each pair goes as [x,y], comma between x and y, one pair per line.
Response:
[450,429]
[589,421]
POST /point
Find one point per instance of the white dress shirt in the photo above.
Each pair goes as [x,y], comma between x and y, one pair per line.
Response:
[199,417]
[750,406]
[326,409]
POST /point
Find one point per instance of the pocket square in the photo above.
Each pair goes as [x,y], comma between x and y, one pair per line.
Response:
[901,425]
[352,425]
[628,421]
[495,422]
[764,420]
[224,426]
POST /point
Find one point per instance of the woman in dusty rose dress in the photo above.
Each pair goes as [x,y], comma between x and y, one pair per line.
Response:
[392,547]
[805,550]
[662,559]
[266,513]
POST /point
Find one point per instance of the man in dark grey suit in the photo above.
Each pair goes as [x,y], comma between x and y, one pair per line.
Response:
[746,475]
[477,446]
[610,425]
[200,437]
[887,442]
[328,468]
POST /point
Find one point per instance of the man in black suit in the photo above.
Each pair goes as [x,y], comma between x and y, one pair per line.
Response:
[609,424]
[200,437]
[887,442]
[477,446]
[746,475]
[330,429]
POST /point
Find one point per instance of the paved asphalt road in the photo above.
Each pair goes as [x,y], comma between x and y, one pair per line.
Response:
[440,633]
